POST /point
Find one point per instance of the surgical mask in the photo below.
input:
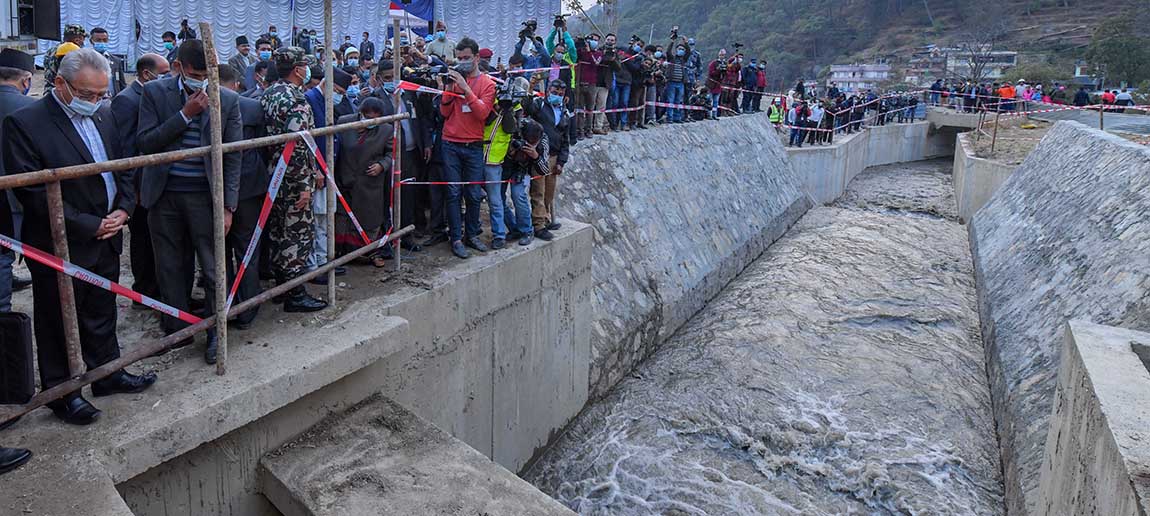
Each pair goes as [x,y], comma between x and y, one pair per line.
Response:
[465,67]
[353,91]
[593,44]
[273,33]
[637,49]
[306,75]
[658,54]
[265,55]
[353,62]
[194,84]
[555,100]
[100,47]
[691,42]
[441,35]
[336,98]
[81,107]
[680,52]
[168,45]
[389,86]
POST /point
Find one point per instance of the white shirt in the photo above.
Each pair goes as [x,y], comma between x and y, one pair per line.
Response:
[95,144]
[816,113]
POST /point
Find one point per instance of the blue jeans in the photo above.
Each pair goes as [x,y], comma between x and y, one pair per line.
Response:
[518,218]
[622,99]
[674,95]
[715,104]
[463,163]
[495,200]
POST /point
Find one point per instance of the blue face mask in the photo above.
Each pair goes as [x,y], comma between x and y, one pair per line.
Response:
[389,87]
[81,107]
[100,47]
[353,91]
[637,49]
[307,75]
[353,62]
[555,100]
[265,55]
[168,45]
[592,44]
[680,52]
[658,54]
[272,33]
[441,35]
[336,98]
[194,84]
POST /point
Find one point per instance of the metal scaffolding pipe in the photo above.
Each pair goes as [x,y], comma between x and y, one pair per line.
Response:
[219,233]
[329,144]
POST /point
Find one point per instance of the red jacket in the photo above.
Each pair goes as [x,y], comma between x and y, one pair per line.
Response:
[761,79]
[460,126]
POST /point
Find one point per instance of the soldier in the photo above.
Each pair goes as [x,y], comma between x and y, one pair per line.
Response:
[290,226]
[73,33]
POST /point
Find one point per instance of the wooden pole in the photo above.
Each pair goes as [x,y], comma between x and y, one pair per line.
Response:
[219,232]
[1101,117]
[67,295]
[994,137]
[397,159]
[329,144]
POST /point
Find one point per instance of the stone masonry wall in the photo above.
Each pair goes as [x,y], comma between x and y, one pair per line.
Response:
[678,212]
[1066,236]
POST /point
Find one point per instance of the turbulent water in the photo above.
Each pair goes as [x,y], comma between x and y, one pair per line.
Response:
[841,373]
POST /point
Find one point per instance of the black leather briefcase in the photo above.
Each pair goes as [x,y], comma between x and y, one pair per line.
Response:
[17,380]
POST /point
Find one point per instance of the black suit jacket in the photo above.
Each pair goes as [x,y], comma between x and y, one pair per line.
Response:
[560,133]
[421,120]
[254,177]
[126,112]
[161,129]
[11,101]
[42,136]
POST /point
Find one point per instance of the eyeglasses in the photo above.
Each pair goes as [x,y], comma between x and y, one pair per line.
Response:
[86,95]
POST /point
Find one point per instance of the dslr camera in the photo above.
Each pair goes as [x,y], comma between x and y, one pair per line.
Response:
[528,30]
[561,21]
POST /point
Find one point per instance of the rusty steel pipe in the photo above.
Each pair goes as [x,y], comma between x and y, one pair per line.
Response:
[148,349]
[397,159]
[90,169]
[219,232]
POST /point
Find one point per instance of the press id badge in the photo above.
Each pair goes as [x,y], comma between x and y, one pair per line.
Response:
[466,108]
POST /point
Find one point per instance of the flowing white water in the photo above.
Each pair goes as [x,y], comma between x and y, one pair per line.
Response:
[841,373]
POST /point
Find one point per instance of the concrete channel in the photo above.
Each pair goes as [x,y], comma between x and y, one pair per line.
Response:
[724,326]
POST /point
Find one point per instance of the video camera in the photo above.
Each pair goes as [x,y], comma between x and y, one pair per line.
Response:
[675,32]
[560,21]
[528,30]
[513,90]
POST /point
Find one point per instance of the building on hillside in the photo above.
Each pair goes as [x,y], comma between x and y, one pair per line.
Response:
[925,65]
[858,77]
[959,64]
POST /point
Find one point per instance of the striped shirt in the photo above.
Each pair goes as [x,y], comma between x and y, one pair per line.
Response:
[189,175]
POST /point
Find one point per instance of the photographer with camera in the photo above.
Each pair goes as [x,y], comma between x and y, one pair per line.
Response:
[497,139]
[627,67]
[464,121]
[676,73]
[542,57]
[527,156]
[560,36]
[588,76]
[731,76]
[561,129]
[716,71]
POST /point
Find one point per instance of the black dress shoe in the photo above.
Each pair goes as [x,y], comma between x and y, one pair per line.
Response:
[12,458]
[301,301]
[544,235]
[409,244]
[435,239]
[123,382]
[75,410]
[212,349]
[19,283]
[554,226]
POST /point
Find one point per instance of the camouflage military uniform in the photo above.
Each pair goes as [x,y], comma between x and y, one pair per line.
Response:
[290,229]
[51,62]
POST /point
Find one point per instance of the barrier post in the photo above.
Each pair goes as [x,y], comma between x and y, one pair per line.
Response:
[994,137]
[397,158]
[1101,116]
[63,282]
[219,234]
[329,144]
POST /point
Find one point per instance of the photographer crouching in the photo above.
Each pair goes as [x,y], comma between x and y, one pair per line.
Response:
[465,116]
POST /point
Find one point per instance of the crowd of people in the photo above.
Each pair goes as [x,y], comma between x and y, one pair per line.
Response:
[478,133]
[1005,96]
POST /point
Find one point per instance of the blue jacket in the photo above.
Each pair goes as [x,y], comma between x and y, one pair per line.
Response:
[541,60]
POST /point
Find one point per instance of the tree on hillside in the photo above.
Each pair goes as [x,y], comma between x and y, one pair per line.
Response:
[1118,53]
[986,26]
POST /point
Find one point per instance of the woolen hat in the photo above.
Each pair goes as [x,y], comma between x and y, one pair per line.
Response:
[12,58]
[241,40]
[342,78]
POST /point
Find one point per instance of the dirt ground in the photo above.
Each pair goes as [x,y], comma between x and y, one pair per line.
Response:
[1013,143]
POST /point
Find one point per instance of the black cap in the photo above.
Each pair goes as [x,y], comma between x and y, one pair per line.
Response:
[342,78]
[241,40]
[558,84]
[12,58]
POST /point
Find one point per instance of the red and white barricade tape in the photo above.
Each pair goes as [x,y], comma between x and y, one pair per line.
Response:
[92,278]
[311,145]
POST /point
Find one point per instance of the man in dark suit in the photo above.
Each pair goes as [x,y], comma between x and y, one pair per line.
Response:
[173,116]
[16,69]
[417,144]
[366,48]
[65,128]
[552,114]
[253,188]
[116,83]
[126,111]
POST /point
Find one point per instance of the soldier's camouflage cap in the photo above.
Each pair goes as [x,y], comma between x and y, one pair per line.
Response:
[73,29]
[290,56]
